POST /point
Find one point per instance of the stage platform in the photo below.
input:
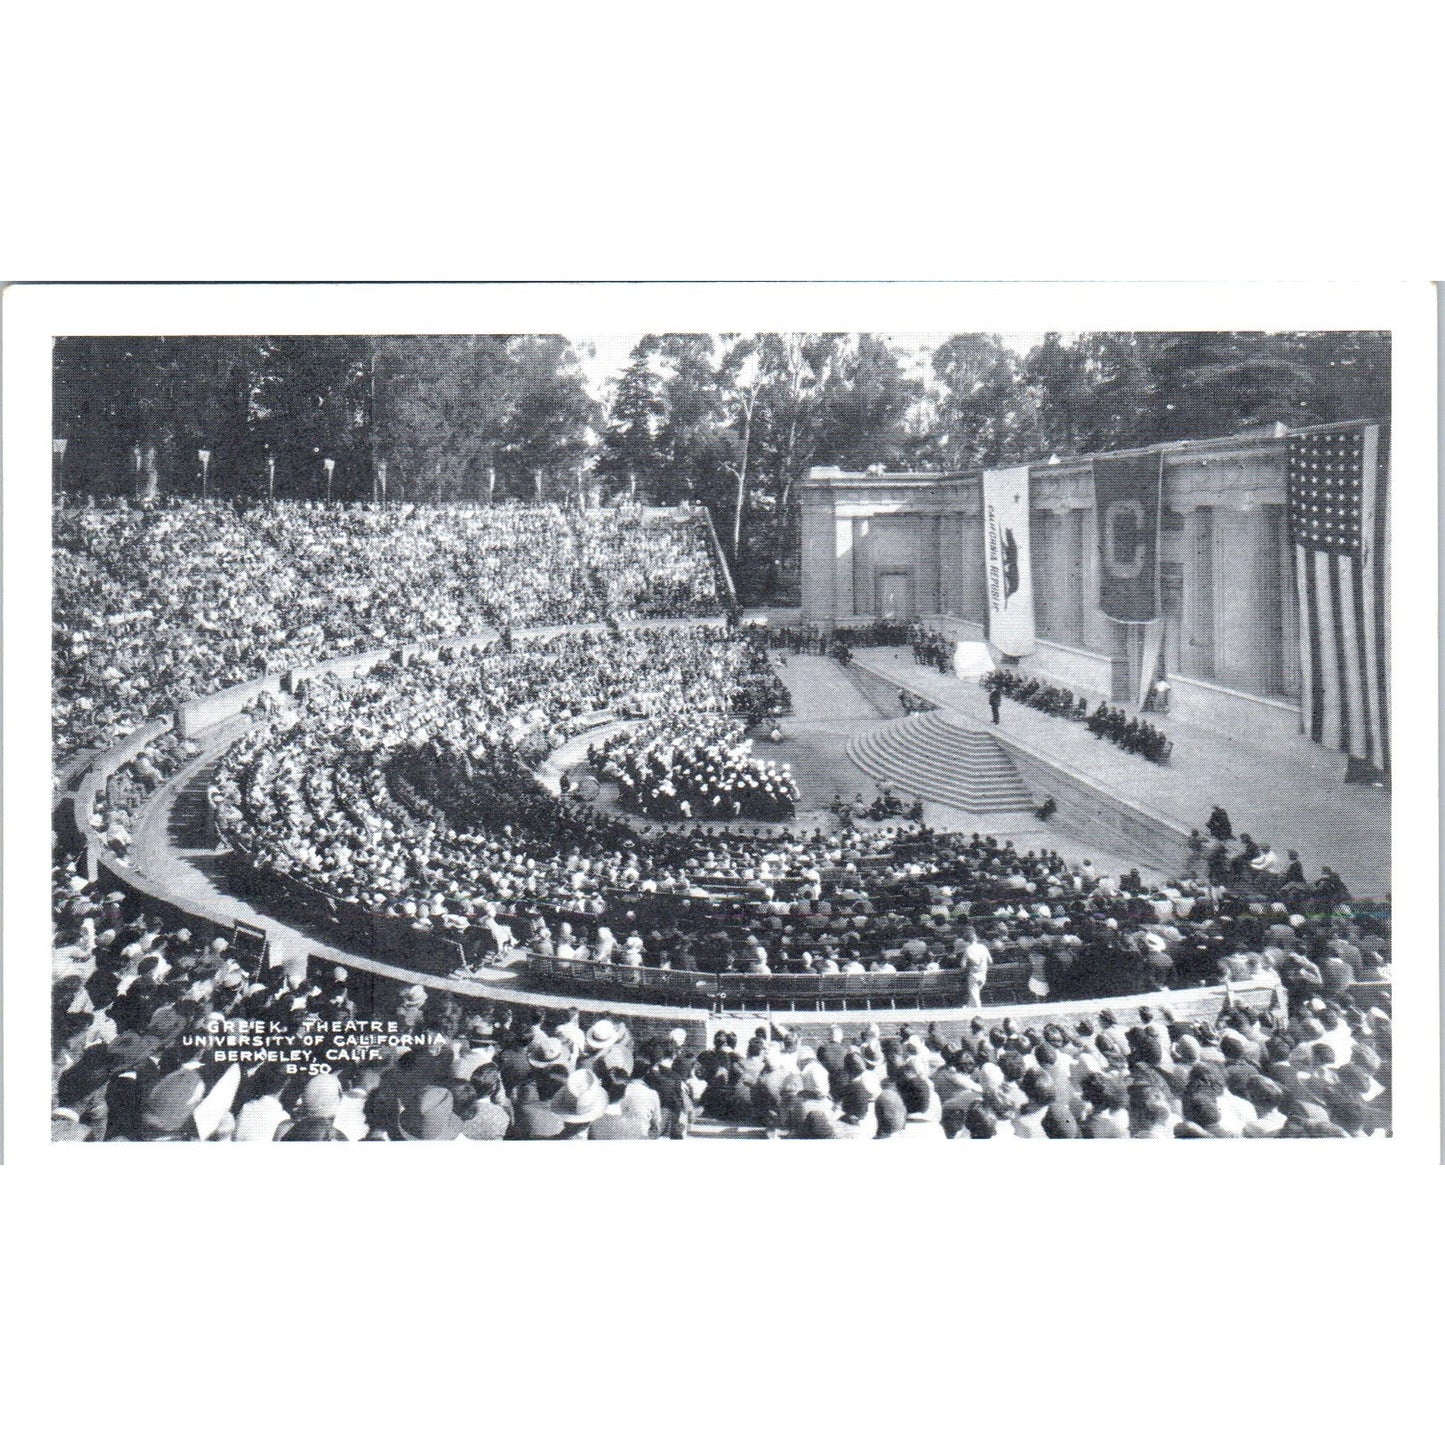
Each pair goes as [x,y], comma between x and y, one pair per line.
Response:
[1287,793]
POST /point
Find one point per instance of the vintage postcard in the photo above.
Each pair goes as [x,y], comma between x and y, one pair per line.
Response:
[897,722]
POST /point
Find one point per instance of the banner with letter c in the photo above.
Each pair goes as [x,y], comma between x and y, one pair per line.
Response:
[1008,565]
[1128,504]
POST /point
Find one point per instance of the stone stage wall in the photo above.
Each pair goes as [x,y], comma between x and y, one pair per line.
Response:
[913,542]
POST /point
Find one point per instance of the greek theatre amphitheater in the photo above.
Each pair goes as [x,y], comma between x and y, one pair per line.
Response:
[1105,738]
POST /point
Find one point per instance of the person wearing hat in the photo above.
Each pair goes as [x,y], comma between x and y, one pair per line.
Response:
[670,1086]
[411,1007]
[135,1062]
[534,1117]
[81,1090]
[482,1105]
[605,1043]
[434,1117]
[170,1104]
[570,1030]
[812,1096]
[513,1063]
[615,1121]
[642,1101]
[577,1103]
[470,1060]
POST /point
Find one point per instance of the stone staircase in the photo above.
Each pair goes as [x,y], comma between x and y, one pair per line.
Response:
[939,757]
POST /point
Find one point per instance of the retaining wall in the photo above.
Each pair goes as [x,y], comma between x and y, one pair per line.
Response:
[1087,810]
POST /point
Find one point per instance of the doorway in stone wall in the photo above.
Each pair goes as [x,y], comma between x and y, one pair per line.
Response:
[895,596]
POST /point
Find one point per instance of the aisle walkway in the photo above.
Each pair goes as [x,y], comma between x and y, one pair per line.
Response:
[828,707]
[1290,796]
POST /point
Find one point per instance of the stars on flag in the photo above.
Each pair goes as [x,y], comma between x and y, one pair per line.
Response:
[1325,474]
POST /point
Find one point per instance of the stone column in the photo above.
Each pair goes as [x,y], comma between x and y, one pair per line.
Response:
[865,592]
[1289,661]
[1071,578]
[843,567]
[1247,601]
[1039,570]
[1270,599]
[1196,643]
[928,533]
[1048,578]
[1101,634]
[950,564]
[819,560]
[972,595]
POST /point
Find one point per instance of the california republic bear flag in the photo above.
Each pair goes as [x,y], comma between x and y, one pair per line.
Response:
[1008,567]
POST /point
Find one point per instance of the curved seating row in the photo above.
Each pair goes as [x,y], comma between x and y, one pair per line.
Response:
[945,989]
[399,945]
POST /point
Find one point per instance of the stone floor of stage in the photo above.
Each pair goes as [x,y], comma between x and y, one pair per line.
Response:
[1289,795]
[830,705]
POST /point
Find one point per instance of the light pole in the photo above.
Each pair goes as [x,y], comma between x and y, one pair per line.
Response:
[270,476]
[330,469]
[57,449]
[381,483]
[205,457]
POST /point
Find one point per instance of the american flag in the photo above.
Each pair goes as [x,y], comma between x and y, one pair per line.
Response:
[1338,491]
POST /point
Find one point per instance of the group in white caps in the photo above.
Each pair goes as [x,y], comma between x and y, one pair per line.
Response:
[696,771]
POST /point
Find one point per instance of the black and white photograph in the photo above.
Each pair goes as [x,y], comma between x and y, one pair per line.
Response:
[709,579]
[711,735]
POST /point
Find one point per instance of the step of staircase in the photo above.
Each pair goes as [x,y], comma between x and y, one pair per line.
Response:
[939,757]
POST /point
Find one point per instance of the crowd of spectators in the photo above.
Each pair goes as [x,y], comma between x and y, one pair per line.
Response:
[153,606]
[1257,869]
[413,780]
[884,804]
[931,648]
[645,564]
[146,1022]
[115,806]
[409,791]
[1132,734]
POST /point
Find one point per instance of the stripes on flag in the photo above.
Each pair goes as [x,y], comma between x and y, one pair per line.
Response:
[1337,495]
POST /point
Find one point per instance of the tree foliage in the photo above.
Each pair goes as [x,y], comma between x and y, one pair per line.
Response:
[731,421]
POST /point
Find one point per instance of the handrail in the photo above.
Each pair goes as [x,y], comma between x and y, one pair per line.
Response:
[941,988]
